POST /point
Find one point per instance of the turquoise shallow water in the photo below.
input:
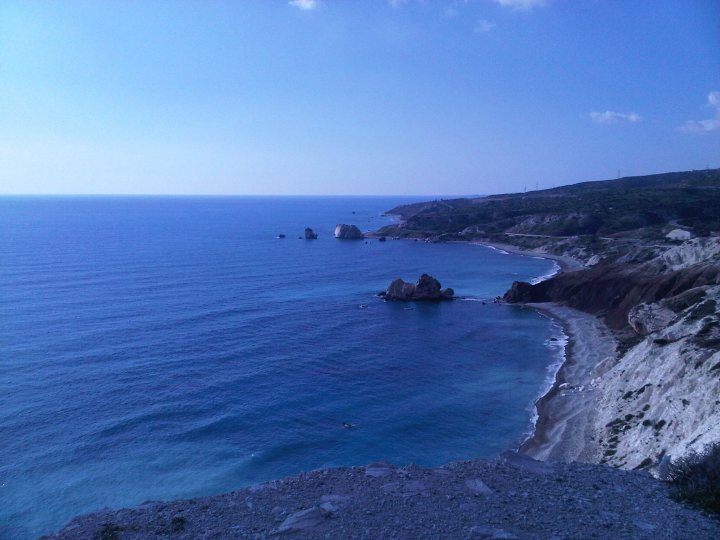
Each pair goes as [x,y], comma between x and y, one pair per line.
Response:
[156,348]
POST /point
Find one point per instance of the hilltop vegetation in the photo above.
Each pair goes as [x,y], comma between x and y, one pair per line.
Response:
[632,206]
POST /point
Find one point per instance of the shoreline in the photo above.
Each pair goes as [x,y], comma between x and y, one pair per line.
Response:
[567,264]
[561,434]
[562,430]
[563,414]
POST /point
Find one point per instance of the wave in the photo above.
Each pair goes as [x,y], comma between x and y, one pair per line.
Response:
[498,250]
[557,343]
[548,275]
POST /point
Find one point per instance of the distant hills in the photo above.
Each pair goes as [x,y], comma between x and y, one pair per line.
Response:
[621,207]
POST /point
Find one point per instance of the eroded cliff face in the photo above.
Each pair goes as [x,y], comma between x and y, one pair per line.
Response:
[641,275]
[660,398]
[696,251]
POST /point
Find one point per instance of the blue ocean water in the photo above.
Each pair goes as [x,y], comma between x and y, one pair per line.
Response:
[156,348]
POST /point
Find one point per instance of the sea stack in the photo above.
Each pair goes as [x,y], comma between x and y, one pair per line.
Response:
[348,232]
[310,234]
[427,288]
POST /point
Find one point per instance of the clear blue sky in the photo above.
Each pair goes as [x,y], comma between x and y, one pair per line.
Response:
[345,97]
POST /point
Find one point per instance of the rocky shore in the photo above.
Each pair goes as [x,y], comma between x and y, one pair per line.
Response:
[641,378]
[638,294]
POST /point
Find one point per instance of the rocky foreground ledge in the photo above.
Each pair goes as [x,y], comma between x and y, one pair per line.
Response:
[513,497]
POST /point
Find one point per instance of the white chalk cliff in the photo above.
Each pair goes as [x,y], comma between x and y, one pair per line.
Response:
[662,398]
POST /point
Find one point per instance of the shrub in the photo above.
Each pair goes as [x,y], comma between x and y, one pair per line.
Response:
[177,524]
[109,531]
[695,478]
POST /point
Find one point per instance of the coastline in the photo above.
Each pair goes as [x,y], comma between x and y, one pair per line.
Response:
[567,264]
[564,413]
[363,498]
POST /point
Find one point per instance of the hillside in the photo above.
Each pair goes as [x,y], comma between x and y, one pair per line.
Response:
[608,208]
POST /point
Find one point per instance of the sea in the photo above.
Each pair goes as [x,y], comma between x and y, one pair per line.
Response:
[171,347]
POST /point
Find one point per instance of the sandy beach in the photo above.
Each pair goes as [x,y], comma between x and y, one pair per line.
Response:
[562,431]
[567,264]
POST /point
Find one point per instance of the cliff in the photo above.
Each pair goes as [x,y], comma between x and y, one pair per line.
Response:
[617,284]
[658,397]
[662,398]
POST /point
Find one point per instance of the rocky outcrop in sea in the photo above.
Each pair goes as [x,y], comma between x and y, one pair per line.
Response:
[427,288]
[348,232]
[310,234]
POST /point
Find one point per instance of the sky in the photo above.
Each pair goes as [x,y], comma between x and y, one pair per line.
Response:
[338,97]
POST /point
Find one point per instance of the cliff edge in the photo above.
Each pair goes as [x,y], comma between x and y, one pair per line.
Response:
[513,497]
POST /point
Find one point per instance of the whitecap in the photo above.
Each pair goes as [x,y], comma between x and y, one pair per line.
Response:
[557,346]
[551,273]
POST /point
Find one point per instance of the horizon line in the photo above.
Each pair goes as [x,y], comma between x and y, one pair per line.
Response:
[421,195]
[229,195]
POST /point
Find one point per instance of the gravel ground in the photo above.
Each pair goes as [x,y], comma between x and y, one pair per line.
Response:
[513,497]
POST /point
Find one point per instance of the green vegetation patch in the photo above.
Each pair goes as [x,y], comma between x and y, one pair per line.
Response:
[638,206]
